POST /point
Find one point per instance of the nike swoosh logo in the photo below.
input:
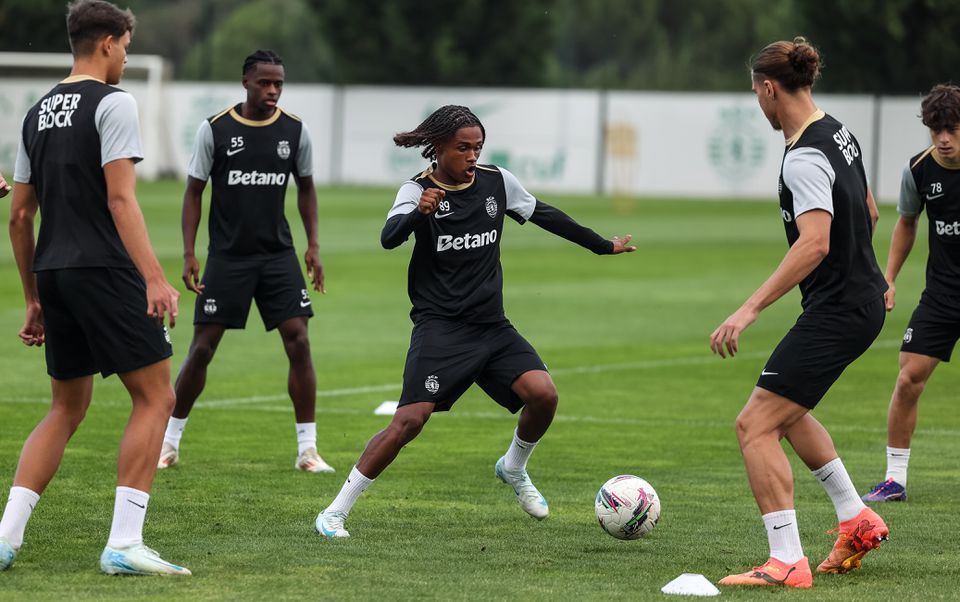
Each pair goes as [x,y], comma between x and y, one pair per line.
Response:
[232,152]
[826,477]
[304,303]
[898,455]
[136,504]
[438,216]
[765,373]
[775,527]
[935,196]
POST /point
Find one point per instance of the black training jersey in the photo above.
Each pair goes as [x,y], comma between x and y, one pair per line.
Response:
[67,137]
[251,166]
[455,268]
[927,183]
[823,169]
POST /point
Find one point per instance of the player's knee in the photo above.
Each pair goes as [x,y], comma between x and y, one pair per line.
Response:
[297,346]
[409,426]
[201,352]
[544,397]
[910,381]
[70,415]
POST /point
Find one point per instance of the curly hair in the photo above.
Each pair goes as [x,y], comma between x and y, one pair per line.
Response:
[940,109]
[439,127]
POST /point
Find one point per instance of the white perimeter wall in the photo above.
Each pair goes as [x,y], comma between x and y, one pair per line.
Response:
[636,143]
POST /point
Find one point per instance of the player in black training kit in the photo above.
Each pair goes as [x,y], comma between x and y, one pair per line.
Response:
[249,152]
[455,209]
[829,215]
[931,181]
[95,292]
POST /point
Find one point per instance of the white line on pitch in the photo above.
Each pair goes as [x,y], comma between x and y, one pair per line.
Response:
[344,392]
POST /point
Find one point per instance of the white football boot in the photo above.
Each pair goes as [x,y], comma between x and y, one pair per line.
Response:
[137,560]
[8,554]
[310,461]
[528,497]
[169,456]
[330,524]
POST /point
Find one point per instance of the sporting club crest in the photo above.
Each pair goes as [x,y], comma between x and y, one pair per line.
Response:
[432,384]
[908,335]
[491,204]
[210,307]
[283,149]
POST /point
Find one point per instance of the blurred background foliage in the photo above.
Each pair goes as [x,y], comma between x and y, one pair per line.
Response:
[868,46]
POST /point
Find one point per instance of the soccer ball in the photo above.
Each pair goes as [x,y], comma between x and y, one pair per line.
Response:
[627,507]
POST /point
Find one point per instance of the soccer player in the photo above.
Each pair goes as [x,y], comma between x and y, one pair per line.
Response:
[249,151]
[829,215]
[931,179]
[95,292]
[455,209]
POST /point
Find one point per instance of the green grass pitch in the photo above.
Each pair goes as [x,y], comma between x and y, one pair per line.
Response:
[626,339]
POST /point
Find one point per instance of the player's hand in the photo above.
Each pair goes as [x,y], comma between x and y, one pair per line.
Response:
[889,297]
[4,187]
[430,200]
[32,332]
[315,269]
[621,245]
[191,274]
[725,339]
[162,300]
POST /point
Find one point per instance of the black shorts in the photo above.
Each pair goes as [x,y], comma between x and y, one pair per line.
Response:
[446,357]
[95,320]
[934,327]
[813,355]
[230,283]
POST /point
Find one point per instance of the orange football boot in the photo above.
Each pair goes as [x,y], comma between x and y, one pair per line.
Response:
[855,537]
[775,572]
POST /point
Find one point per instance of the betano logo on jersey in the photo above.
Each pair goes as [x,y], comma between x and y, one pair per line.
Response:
[446,242]
[943,228]
[255,178]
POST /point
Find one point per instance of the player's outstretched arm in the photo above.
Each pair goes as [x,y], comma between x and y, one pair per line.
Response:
[802,258]
[189,223]
[122,203]
[407,214]
[557,222]
[307,205]
[23,210]
[904,235]
[4,187]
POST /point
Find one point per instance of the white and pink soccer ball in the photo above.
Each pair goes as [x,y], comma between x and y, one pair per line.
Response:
[627,507]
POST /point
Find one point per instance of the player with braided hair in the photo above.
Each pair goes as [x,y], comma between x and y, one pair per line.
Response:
[455,209]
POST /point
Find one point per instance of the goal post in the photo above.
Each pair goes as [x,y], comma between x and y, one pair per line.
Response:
[26,76]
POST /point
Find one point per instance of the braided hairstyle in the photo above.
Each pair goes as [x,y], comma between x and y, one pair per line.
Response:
[439,127]
[261,56]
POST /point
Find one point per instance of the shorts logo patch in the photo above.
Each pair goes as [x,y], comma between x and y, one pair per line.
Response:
[908,335]
[283,149]
[305,298]
[210,307]
[432,384]
[491,205]
[166,336]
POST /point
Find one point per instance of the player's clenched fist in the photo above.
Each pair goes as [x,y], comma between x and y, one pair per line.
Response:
[429,200]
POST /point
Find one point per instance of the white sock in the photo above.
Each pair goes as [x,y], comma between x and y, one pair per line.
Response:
[355,484]
[129,510]
[17,513]
[897,460]
[836,482]
[783,535]
[306,436]
[518,453]
[174,432]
